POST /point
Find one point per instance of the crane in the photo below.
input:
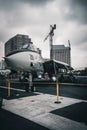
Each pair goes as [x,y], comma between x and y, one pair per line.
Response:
[50,35]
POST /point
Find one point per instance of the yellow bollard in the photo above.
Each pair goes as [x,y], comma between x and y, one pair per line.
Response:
[8,86]
[57,92]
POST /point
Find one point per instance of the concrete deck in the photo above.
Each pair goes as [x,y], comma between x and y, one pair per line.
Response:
[38,108]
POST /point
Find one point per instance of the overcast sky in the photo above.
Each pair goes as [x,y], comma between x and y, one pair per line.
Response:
[34,17]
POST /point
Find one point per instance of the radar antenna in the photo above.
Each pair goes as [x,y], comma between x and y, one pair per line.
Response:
[50,35]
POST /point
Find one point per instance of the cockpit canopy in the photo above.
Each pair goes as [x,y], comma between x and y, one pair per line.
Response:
[30,47]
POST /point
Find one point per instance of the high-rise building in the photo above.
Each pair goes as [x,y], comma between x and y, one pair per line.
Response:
[16,43]
[62,53]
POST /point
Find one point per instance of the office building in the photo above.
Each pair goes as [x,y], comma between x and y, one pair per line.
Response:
[16,43]
[62,53]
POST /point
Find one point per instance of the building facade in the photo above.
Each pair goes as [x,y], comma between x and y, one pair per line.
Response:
[16,43]
[62,53]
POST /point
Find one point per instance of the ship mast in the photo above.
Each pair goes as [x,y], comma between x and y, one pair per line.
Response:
[69,52]
[50,35]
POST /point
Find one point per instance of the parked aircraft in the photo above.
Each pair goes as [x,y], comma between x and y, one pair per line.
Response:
[26,59]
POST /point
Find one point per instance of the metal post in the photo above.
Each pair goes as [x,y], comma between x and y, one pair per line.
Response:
[8,86]
[57,92]
[51,42]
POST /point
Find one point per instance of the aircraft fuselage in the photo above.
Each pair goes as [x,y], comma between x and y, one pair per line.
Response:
[25,61]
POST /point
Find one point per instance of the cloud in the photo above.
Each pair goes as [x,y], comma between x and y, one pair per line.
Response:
[11,4]
[81,3]
[37,2]
[78,11]
[1,50]
[34,17]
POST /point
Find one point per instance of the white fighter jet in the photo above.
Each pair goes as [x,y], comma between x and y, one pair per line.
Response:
[26,59]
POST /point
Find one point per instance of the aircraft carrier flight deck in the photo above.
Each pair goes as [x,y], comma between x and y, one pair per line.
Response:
[38,110]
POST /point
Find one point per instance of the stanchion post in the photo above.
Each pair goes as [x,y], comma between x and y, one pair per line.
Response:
[57,92]
[8,86]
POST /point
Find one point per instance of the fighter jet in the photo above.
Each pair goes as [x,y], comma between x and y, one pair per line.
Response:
[26,59]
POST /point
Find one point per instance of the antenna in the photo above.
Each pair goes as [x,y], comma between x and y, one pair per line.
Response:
[69,52]
[69,44]
[50,35]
